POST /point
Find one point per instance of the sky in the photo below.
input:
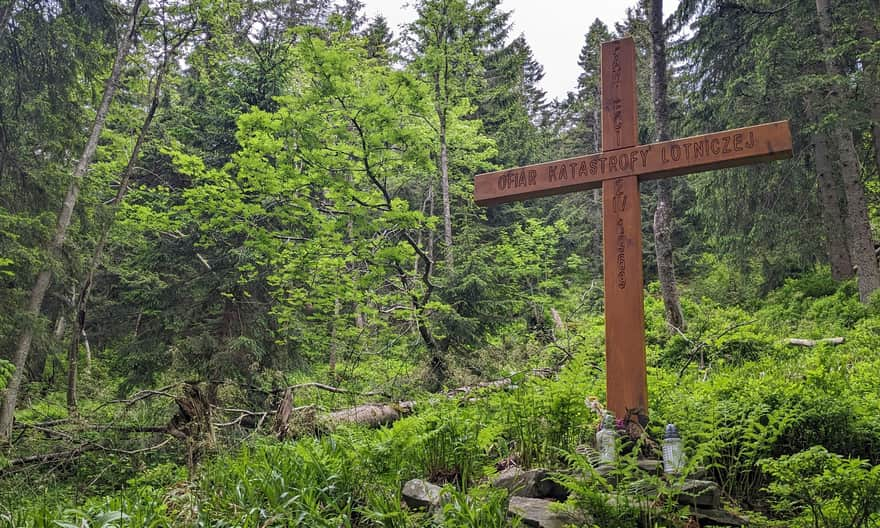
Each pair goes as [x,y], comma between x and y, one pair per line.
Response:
[554,29]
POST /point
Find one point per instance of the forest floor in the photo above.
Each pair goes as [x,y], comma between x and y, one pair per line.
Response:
[751,408]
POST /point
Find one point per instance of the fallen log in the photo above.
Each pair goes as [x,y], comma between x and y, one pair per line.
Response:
[813,342]
[371,414]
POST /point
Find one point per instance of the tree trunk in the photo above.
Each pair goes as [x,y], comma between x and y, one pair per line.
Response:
[875,112]
[430,244]
[869,33]
[370,415]
[337,309]
[833,212]
[82,299]
[875,132]
[72,369]
[861,243]
[7,411]
[438,371]
[444,189]
[5,14]
[663,216]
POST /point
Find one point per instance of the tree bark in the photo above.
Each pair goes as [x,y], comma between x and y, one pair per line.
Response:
[875,132]
[430,233]
[5,14]
[371,414]
[833,210]
[861,243]
[38,292]
[874,84]
[663,216]
[444,189]
[334,345]
[441,93]
[869,33]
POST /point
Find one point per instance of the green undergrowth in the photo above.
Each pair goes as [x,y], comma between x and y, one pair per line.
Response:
[791,434]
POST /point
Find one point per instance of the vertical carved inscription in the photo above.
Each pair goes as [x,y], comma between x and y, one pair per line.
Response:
[619,119]
[626,383]
[618,206]
[616,102]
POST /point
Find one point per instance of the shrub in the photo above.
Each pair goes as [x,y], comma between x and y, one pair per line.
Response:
[825,490]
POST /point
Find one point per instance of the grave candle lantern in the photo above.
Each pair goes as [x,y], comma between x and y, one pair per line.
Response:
[606,440]
[673,450]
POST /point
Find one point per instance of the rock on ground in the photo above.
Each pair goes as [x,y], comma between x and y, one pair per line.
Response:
[534,483]
[700,493]
[418,493]
[718,517]
[536,512]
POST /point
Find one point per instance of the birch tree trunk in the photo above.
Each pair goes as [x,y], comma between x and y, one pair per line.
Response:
[663,216]
[82,298]
[861,243]
[441,92]
[41,285]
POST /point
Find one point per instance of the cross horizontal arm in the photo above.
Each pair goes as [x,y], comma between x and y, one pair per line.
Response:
[730,148]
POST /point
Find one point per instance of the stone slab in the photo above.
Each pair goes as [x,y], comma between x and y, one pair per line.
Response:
[535,483]
[718,517]
[700,493]
[536,512]
[421,494]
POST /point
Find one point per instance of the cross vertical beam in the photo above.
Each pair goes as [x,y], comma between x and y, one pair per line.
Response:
[625,369]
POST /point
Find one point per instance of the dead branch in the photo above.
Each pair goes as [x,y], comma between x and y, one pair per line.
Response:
[51,457]
[141,395]
[76,452]
[241,416]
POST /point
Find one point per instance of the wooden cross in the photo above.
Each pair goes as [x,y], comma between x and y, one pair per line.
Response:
[618,169]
